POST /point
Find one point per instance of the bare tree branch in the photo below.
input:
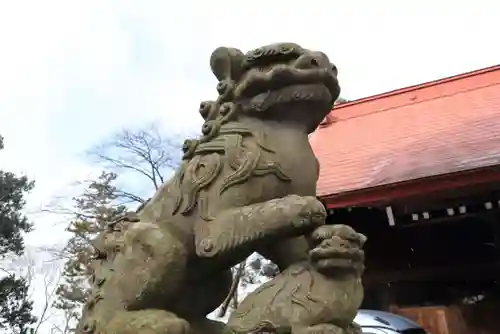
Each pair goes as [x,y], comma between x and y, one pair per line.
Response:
[145,151]
[233,291]
[50,287]
[66,329]
[125,195]
[56,253]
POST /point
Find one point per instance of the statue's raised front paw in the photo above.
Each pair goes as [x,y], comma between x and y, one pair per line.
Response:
[337,249]
[311,212]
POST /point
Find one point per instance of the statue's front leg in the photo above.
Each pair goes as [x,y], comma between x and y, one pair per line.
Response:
[236,233]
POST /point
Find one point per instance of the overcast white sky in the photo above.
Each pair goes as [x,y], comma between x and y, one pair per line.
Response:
[72,72]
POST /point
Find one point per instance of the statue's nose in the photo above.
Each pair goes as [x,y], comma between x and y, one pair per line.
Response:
[321,60]
[309,61]
[334,69]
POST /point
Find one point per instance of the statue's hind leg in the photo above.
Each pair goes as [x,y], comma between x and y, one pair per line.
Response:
[207,326]
[147,322]
[320,329]
[149,268]
[328,329]
[143,268]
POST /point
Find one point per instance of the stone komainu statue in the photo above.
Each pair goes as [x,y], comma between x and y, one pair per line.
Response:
[247,185]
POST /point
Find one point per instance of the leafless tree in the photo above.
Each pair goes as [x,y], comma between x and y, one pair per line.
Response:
[48,275]
[142,159]
[144,152]
[57,321]
[49,294]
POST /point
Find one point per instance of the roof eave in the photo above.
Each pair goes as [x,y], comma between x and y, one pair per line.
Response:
[418,86]
[385,194]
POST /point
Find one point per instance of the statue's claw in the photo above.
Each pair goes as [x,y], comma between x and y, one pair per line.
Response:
[312,214]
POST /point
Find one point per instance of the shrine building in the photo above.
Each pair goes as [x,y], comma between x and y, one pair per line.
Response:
[417,170]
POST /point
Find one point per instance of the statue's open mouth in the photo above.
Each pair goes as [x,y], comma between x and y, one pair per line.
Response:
[301,79]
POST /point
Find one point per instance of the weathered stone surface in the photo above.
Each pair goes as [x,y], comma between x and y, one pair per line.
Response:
[247,184]
[326,289]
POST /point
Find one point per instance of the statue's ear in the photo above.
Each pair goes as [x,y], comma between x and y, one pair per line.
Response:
[226,63]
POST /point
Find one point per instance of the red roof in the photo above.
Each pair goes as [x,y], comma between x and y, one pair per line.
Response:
[441,127]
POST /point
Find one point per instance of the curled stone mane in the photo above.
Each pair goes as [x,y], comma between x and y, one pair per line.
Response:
[222,140]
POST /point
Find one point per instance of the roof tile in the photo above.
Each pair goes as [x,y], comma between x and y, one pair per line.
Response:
[441,127]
